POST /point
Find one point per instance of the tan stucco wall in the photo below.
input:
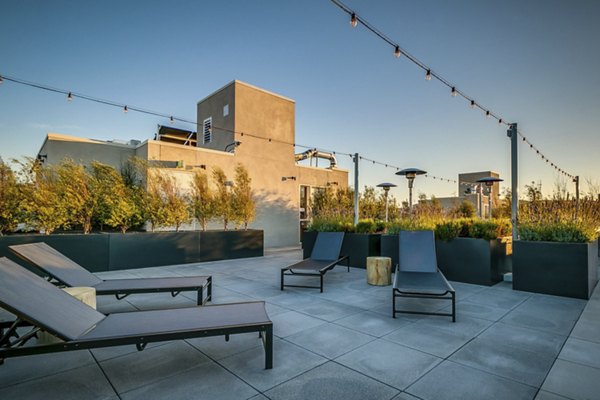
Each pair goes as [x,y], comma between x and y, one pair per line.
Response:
[57,147]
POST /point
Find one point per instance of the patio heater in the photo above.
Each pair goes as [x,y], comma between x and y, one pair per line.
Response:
[410,174]
[386,189]
[489,182]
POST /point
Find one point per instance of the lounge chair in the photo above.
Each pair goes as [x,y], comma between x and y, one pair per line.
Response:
[325,255]
[47,308]
[69,273]
[417,274]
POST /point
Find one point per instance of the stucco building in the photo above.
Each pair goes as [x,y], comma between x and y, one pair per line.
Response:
[238,123]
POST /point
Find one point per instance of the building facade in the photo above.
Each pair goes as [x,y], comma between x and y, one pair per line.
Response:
[238,123]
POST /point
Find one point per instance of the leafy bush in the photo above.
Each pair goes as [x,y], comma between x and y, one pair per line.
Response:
[558,232]
[410,225]
[448,230]
[489,229]
[331,225]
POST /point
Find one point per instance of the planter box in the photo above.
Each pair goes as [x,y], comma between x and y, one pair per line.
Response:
[90,250]
[477,261]
[390,248]
[228,245]
[560,269]
[115,251]
[357,246]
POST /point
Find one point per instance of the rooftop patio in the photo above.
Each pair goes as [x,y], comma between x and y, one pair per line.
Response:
[340,344]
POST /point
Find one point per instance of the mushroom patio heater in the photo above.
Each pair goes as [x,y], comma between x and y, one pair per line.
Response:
[489,182]
[411,174]
[386,188]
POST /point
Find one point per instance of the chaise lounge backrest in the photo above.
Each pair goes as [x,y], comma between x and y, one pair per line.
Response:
[327,246]
[41,303]
[56,264]
[417,252]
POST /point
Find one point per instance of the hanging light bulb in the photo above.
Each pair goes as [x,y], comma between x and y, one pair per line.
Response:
[125,109]
[1,80]
[69,96]
[500,121]
[353,20]
[428,75]
[453,92]
[472,103]
[397,52]
[172,119]
[487,114]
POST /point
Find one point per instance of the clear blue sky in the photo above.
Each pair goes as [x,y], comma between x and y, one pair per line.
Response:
[533,62]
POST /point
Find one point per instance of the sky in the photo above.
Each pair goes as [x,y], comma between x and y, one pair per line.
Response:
[533,62]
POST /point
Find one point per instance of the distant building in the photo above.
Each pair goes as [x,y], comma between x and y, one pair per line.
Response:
[238,123]
[470,190]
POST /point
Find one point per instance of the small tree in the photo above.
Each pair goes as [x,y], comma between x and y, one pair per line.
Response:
[43,204]
[10,199]
[154,202]
[76,189]
[201,201]
[222,197]
[243,200]
[177,212]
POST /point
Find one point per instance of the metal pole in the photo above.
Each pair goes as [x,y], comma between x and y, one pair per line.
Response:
[514,177]
[480,200]
[490,202]
[386,205]
[355,189]
[576,180]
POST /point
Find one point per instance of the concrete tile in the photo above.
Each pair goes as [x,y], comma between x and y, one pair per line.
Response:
[154,301]
[587,330]
[573,381]
[216,347]
[81,383]
[543,395]
[581,352]
[207,381]
[292,299]
[289,361]
[544,321]
[332,382]
[329,340]
[499,298]
[506,361]
[405,396]
[464,325]
[222,296]
[328,310]
[438,342]
[373,324]
[542,343]
[106,353]
[396,365]
[291,322]
[141,368]
[477,310]
[453,381]
[21,369]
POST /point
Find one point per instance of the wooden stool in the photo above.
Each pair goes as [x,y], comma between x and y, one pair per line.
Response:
[379,271]
[84,294]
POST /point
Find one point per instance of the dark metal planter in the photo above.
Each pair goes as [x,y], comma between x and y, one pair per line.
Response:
[228,245]
[115,251]
[149,249]
[356,246]
[390,248]
[560,269]
[89,250]
[469,260]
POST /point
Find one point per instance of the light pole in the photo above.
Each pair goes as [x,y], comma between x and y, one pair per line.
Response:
[411,174]
[489,182]
[386,188]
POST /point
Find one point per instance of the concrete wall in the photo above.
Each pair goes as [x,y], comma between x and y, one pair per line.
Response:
[223,125]
[57,147]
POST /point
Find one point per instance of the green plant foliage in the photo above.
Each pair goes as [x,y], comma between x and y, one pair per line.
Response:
[410,224]
[201,200]
[222,197]
[76,189]
[244,209]
[557,232]
[10,199]
[448,230]
[366,226]
[489,229]
[331,225]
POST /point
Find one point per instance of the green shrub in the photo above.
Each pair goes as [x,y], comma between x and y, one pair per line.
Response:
[365,226]
[558,232]
[411,225]
[489,229]
[330,225]
[448,230]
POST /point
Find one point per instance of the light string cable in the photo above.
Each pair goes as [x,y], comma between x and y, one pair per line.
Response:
[399,51]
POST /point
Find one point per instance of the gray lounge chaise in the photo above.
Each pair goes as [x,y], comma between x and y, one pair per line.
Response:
[45,307]
[417,274]
[325,255]
[69,273]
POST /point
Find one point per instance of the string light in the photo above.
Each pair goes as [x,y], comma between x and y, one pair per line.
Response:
[1,80]
[420,64]
[171,119]
[125,109]
[69,97]
[397,52]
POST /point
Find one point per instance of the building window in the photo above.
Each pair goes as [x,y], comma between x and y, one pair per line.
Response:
[207,130]
[226,110]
